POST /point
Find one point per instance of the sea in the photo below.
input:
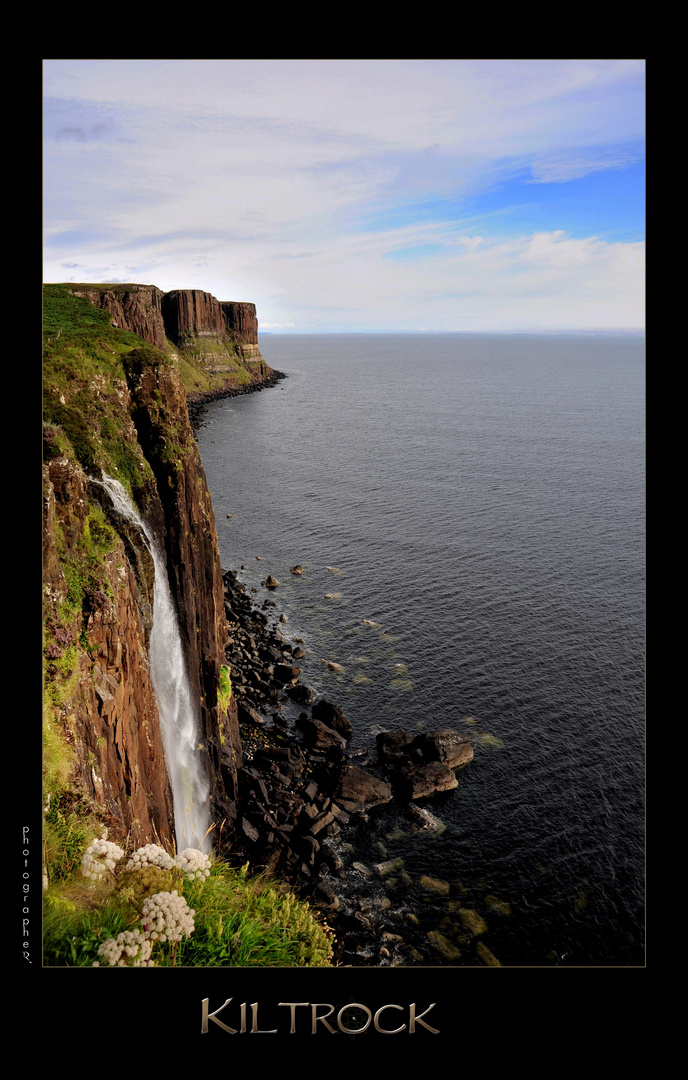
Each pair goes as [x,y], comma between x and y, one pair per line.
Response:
[469,512]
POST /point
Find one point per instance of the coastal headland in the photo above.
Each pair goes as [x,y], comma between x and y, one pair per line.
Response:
[126,370]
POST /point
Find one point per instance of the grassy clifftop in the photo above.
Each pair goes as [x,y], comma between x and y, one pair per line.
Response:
[85,394]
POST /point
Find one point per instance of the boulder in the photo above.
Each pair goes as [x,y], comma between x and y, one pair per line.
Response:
[420,781]
[446,948]
[435,885]
[332,716]
[319,736]
[450,747]
[286,674]
[358,790]
[472,921]
[249,715]
[392,746]
[301,694]
[486,956]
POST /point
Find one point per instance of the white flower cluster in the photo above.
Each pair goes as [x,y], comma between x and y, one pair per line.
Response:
[130,945]
[166,916]
[150,855]
[193,863]
[99,857]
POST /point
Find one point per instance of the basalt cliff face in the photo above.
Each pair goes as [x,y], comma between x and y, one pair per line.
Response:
[116,405]
[219,338]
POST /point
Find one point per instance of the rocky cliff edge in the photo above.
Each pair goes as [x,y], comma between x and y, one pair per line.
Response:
[215,342]
[115,404]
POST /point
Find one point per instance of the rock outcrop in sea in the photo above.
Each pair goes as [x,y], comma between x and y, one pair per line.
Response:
[303,795]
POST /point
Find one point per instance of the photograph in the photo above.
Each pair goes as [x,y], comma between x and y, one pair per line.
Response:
[343,482]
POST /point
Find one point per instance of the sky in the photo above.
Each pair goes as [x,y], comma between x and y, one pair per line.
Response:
[502,196]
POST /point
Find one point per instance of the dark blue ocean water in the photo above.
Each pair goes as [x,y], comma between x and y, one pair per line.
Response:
[469,512]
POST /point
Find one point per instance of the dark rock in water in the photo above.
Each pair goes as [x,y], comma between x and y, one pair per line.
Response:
[419,781]
[302,695]
[358,790]
[271,582]
[423,819]
[319,735]
[423,764]
[296,570]
[392,746]
[325,893]
[269,653]
[286,674]
[450,747]
[333,717]
[298,790]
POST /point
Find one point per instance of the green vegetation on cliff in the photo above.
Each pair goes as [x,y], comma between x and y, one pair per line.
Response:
[85,394]
[240,920]
[102,404]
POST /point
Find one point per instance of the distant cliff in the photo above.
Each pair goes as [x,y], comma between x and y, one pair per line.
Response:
[116,402]
[215,342]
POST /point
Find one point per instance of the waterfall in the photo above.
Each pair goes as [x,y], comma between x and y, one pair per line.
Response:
[178,713]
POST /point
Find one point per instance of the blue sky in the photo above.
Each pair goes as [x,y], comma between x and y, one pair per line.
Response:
[356,195]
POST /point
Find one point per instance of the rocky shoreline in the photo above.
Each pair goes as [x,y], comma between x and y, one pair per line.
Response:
[318,815]
[306,803]
[196,402]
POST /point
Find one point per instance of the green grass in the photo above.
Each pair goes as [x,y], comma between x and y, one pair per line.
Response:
[85,397]
[224,694]
[240,921]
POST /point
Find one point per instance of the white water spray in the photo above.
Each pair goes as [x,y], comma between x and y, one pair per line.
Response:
[178,713]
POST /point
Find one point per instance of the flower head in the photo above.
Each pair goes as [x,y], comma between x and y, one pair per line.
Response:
[193,863]
[166,916]
[131,948]
[99,858]
[150,855]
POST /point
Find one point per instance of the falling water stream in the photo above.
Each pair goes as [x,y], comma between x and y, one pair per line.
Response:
[178,713]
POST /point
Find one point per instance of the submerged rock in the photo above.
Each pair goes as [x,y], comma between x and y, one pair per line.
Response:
[486,956]
[389,866]
[472,921]
[435,885]
[500,906]
[449,951]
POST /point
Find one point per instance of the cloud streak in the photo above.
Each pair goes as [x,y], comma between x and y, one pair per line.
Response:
[348,194]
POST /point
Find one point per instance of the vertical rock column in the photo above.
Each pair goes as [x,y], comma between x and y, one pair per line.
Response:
[193,562]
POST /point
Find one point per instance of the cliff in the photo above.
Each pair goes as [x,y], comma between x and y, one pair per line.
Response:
[215,343]
[115,404]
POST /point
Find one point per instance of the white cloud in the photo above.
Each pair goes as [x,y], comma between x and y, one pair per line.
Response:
[560,167]
[257,180]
